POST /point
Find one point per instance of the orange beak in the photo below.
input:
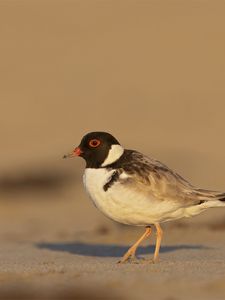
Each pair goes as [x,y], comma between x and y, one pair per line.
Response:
[76,152]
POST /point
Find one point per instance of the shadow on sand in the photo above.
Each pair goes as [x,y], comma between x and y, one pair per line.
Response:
[104,250]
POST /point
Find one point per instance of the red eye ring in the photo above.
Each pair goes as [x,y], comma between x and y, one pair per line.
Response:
[94,143]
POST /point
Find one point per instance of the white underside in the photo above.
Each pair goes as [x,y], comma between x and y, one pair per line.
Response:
[125,205]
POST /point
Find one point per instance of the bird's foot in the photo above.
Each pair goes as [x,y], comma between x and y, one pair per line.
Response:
[152,261]
[129,256]
[135,260]
[132,260]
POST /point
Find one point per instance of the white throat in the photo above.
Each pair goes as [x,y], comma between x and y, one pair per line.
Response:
[114,153]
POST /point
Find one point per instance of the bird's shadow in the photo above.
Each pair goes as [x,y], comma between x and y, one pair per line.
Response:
[107,250]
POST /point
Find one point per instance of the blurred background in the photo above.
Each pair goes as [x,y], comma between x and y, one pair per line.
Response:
[152,73]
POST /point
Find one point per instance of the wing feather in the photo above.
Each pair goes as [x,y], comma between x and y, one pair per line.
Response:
[152,177]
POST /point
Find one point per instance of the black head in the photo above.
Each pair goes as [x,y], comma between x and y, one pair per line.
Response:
[95,148]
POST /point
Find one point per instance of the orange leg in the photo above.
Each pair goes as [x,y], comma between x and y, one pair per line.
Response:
[159,234]
[132,250]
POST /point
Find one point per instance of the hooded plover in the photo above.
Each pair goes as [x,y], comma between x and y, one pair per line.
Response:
[133,189]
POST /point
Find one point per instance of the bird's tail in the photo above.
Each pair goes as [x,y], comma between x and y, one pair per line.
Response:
[210,198]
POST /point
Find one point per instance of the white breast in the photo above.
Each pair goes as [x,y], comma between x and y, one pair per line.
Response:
[94,181]
[123,204]
[117,202]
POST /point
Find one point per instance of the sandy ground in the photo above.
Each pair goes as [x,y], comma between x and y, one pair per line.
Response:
[150,72]
[54,249]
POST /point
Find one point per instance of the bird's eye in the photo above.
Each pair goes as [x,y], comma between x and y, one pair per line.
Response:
[94,143]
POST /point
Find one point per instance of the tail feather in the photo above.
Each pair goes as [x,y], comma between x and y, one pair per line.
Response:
[222,198]
[206,195]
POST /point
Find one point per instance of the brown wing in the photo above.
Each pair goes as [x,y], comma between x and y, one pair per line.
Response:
[151,177]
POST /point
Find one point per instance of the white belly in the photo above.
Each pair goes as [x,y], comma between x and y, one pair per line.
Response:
[123,204]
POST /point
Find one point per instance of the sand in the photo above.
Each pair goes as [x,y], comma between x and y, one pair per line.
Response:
[54,248]
[151,73]
[82,264]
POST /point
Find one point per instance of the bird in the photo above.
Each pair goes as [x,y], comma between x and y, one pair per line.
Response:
[134,189]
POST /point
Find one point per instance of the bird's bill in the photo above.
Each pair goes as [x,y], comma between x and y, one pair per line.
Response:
[76,152]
